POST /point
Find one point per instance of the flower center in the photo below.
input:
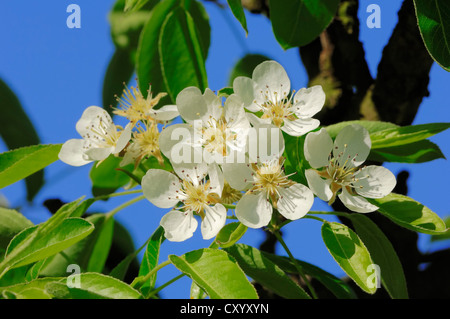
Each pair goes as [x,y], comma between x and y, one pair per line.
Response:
[276,107]
[104,134]
[196,197]
[269,177]
[147,142]
[134,106]
[215,136]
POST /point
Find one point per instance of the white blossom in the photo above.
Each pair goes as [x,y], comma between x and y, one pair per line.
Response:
[197,195]
[336,169]
[100,138]
[267,187]
[268,91]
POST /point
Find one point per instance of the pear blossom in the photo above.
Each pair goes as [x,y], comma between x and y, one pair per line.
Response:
[268,92]
[144,144]
[217,130]
[197,195]
[100,138]
[336,169]
[135,107]
[267,187]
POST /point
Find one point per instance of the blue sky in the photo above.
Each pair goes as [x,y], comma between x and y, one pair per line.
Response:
[57,72]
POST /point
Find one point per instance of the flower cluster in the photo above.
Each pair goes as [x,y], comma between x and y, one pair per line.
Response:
[228,153]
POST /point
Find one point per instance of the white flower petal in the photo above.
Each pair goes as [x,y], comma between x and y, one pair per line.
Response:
[234,112]
[173,135]
[299,127]
[374,181]
[191,104]
[356,203]
[254,211]
[91,116]
[352,145]
[124,138]
[216,179]
[295,201]
[178,226]
[309,101]
[245,87]
[270,76]
[238,175]
[193,172]
[160,188]
[265,143]
[214,105]
[257,121]
[317,148]
[72,153]
[165,113]
[319,186]
[215,218]
[99,154]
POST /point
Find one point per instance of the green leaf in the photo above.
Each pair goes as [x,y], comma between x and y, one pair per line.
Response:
[22,162]
[151,257]
[30,290]
[338,287]
[409,214]
[204,265]
[93,286]
[351,254]
[417,152]
[383,254]
[295,162]
[370,126]
[181,53]
[406,134]
[245,66]
[148,60]
[135,5]
[433,17]
[443,236]
[298,22]
[11,223]
[265,272]
[230,234]
[238,12]
[106,179]
[17,131]
[45,244]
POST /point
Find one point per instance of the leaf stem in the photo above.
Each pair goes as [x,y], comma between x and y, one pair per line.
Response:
[294,261]
[102,197]
[124,205]
[138,284]
[154,292]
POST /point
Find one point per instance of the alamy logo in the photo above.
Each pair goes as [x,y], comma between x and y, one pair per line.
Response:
[73,280]
[74,19]
[374,19]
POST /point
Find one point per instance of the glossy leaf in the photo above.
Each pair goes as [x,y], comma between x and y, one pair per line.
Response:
[106,179]
[434,24]
[409,214]
[406,134]
[204,265]
[181,54]
[298,22]
[230,234]
[417,152]
[351,254]
[151,257]
[337,286]
[93,286]
[22,162]
[238,12]
[295,162]
[370,126]
[383,254]
[134,5]
[265,272]
[11,223]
